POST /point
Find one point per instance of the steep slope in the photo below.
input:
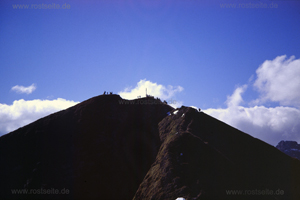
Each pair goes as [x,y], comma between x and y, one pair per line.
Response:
[110,148]
[203,158]
[291,148]
[99,149]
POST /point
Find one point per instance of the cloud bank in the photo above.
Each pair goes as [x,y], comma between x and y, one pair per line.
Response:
[277,80]
[154,89]
[21,89]
[268,124]
[23,112]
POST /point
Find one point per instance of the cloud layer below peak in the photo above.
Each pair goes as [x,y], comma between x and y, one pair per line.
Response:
[23,112]
[277,80]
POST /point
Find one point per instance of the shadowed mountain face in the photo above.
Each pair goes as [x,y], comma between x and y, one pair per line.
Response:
[203,158]
[99,149]
[110,148]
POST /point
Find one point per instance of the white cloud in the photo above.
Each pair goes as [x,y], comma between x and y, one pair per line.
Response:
[22,89]
[154,89]
[23,112]
[236,98]
[268,124]
[278,80]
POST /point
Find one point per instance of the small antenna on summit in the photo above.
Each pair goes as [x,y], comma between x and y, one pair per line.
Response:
[146,92]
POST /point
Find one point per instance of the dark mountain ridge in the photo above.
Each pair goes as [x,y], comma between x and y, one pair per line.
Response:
[110,148]
[204,158]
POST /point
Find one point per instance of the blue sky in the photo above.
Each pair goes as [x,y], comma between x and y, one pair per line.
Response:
[205,52]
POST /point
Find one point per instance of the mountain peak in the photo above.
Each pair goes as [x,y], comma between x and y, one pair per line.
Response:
[143,149]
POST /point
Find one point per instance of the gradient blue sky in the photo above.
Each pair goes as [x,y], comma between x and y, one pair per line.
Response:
[209,51]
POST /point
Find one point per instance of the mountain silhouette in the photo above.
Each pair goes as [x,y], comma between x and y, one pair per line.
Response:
[111,148]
